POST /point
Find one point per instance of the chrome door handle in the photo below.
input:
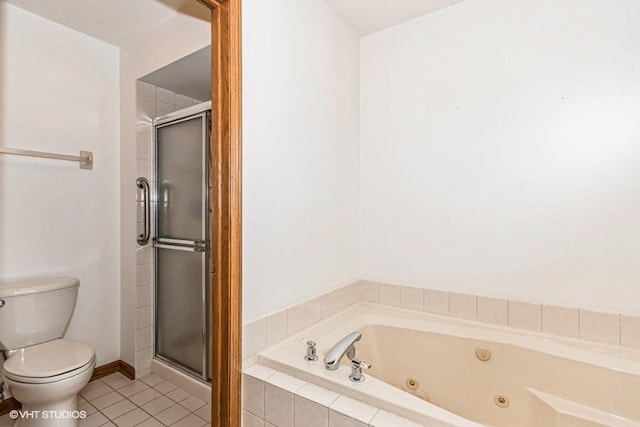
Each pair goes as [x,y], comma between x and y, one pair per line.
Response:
[143,184]
[179,248]
[179,244]
[168,241]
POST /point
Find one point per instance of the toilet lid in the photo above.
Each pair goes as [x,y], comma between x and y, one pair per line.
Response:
[49,359]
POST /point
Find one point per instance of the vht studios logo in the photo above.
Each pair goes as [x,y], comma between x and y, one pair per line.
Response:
[50,415]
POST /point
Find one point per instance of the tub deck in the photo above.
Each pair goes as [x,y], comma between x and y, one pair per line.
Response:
[546,380]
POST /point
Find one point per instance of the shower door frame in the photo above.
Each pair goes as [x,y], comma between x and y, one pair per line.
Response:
[226,198]
[203,112]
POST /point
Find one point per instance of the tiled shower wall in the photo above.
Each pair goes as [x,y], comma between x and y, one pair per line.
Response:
[151,102]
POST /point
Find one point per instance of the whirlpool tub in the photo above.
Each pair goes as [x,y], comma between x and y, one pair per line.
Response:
[442,371]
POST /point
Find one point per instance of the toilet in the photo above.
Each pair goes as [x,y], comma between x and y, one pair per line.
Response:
[43,371]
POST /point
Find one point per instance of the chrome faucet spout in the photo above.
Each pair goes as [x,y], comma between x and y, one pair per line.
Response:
[344,346]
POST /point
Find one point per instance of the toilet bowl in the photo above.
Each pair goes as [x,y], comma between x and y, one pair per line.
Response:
[43,371]
[46,379]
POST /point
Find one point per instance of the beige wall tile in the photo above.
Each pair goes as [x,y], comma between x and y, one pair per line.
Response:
[276,325]
[248,362]
[335,301]
[562,321]
[354,409]
[463,306]
[329,303]
[143,148]
[316,394]
[600,326]
[390,294]
[253,395]
[143,296]
[260,372]
[337,419]
[144,255]
[295,319]
[525,315]
[353,293]
[183,101]
[144,275]
[143,168]
[254,337]
[145,109]
[630,331]
[310,414]
[144,127]
[411,298]
[144,338]
[143,359]
[387,419]
[278,406]
[436,302]
[313,311]
[165,95]
[285,382]
[493,310]
[144,317]
[250,420]
[145,89]
[163,108]
[369,291]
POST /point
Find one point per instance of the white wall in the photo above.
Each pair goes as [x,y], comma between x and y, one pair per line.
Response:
[59,93]
[175,38]
[300,143]
[500,151]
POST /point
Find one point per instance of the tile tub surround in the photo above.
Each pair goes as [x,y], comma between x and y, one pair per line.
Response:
[151,102]
[610,328]
[272,398]
[396,336]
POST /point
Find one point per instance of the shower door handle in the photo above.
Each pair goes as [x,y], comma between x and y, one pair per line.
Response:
[143,184]
[179,244]
[179,248]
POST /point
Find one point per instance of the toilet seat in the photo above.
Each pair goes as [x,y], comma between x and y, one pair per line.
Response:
[49,362]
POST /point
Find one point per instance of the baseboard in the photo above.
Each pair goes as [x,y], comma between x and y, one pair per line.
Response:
[124,368]
[127,370]
[9,405]
[111,368]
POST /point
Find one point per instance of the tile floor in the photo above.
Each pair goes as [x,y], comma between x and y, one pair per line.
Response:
[151,401]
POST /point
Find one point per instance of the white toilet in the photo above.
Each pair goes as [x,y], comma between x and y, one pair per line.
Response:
[43,371]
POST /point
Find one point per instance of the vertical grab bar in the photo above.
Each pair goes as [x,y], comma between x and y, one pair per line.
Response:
[143,184]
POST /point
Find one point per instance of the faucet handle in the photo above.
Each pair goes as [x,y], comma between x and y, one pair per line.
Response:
[311,351]
[360,364]
[357,366]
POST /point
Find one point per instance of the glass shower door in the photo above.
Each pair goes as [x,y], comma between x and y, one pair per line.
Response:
[181,242]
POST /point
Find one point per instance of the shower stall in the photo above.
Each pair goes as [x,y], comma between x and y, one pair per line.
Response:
[182,243]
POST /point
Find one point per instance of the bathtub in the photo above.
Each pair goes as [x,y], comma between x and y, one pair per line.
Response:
[442,371]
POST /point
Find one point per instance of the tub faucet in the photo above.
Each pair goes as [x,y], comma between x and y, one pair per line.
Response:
[344,346]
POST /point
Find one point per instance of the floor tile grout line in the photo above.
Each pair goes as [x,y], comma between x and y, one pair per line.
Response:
[174,403]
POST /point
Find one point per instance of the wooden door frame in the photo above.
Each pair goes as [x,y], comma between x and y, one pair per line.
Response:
[226,196]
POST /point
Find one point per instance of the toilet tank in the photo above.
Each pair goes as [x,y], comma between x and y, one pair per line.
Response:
[36,310]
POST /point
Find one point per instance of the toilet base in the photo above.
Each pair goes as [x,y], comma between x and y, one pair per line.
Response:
[52,404]
[62,414]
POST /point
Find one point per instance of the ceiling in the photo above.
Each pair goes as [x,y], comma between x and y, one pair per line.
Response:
[112,21]
[118,21]
[369,16]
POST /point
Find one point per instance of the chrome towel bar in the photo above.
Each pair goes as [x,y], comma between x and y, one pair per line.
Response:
[85,158]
